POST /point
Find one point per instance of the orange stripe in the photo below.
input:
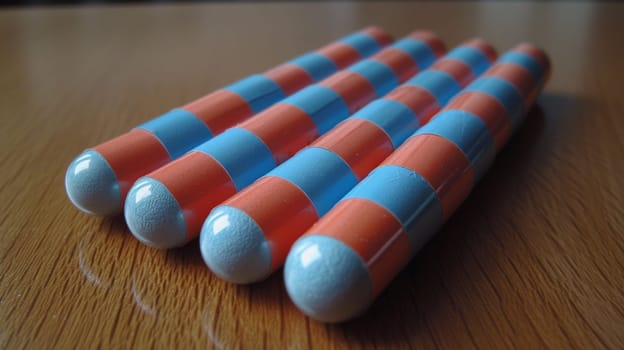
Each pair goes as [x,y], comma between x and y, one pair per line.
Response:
[488,109]
[484,47]
[199,183]
[459,70]
[282,211]
[354,89]
[442,164]
[518,76]
[373,233]
[358,142]
[133,155]
[291,78]
[341,54]
[284,128]
[220,110]
[437,45]
[419,100]
[379,35]
[402,64]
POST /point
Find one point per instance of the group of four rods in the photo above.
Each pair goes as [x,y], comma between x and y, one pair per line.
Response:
[404,136]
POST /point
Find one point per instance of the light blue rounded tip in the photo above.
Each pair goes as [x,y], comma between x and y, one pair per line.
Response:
[234,247]
[92,186]
[326,279]
[154,216]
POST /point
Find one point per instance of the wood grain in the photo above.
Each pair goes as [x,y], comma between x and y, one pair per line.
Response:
[533,259]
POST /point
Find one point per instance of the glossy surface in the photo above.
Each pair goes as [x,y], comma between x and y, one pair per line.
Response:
[91,184]
[398,189]
[532,259]
[323,173]
[163,229]
[245,155]
[239,260]
[131,155]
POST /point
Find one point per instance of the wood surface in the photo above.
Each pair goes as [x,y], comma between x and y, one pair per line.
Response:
[533,259]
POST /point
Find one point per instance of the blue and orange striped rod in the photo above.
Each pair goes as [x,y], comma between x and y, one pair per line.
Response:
[247,237]
[348,257]
[98,180]
[167,207]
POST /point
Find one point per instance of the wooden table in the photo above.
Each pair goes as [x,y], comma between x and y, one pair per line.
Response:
[533,259]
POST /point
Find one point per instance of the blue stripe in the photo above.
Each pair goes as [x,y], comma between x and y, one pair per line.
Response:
[178,130]
[394,118]
[322,104]
[505,93]
[317,65]
[364,44]
[473,57]
[422,54]
[321,174]
[468,132]
[525,61]
[405,194]
[243,155]
[378,74]
[259,91]
[441,85]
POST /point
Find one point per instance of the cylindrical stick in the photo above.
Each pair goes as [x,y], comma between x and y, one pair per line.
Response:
[167,207]
[98,180]
[348,257]
[248,236]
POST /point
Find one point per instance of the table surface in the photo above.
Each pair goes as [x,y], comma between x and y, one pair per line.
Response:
[534,258]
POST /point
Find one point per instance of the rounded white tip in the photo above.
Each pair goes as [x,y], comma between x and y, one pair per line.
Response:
[154,216]
[234,247]
[326,279]
[92,186]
